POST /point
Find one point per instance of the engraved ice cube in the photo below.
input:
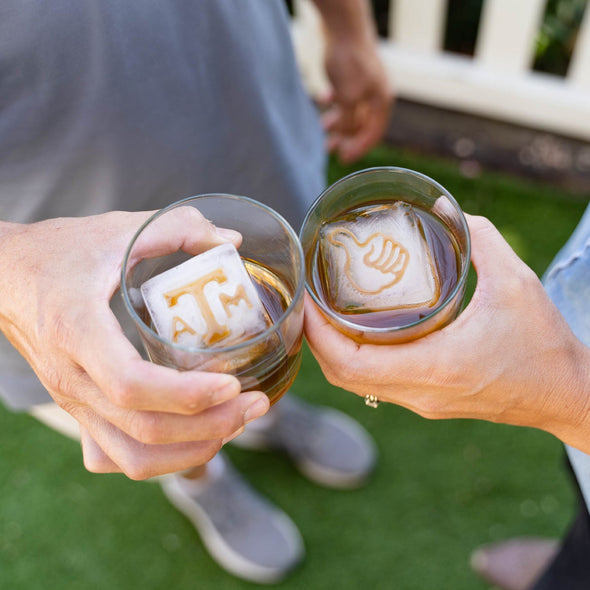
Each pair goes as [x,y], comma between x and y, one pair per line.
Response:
[209,300]
[378,260]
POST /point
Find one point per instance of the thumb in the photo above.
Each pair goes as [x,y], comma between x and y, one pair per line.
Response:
[182,228]
[344,238]
[488,247]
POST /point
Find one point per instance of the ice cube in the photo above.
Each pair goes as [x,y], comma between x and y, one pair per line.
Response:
[378,260]
[209,300]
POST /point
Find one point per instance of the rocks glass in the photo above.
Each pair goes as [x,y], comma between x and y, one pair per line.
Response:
[387,254]
[270,250]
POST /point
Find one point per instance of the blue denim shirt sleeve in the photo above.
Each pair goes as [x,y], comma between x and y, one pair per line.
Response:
[567,282]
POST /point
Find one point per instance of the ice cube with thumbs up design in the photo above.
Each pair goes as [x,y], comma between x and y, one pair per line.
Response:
[378,260]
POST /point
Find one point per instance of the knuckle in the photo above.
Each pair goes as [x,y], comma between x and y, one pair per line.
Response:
[431,408]
[197,219]
[60,381]
[136,465]
[60,329]
[220,424]
[332,376]
[228,426]
[121,391]
[444,372]
[210,450]
[137,470]
[96,463]
[480,224]
[148,428]
[56,382]
[341,370]
[352,369]
[72,408]
[520,283]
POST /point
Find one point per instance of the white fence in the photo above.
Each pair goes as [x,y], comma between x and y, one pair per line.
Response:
[496,82]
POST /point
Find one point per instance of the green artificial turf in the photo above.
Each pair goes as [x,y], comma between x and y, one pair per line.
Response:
[441,487]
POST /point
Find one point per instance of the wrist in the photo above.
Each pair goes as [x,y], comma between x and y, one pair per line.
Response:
[7,228]
[570,408]
[10,261]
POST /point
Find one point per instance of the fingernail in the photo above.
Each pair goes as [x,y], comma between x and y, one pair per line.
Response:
[228,234]
[257,409]
[227,390]
[232,436]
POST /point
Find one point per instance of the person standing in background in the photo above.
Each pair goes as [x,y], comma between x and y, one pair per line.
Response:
[108,108]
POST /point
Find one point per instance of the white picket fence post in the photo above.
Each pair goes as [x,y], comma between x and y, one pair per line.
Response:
[418,24]
[579,70]
[506,37]
[497,82]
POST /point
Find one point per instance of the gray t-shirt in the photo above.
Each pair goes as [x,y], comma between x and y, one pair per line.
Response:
[110,105]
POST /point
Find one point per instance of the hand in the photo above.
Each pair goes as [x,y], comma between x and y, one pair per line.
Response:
[509,357]
[358,107]
[136,417]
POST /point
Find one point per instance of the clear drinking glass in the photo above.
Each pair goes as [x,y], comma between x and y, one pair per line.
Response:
[441,223]
[272,255]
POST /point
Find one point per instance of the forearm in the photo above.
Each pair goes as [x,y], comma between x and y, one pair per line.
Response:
[347,19]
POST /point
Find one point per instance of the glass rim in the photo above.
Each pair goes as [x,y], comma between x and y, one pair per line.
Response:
[461,282]
[219,349]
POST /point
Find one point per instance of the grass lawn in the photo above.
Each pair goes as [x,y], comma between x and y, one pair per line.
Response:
[441,488]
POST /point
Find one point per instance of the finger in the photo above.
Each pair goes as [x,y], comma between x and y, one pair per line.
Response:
[95,459]
[218,422]
[386,255]
[325,99]
[128,381]
[107,449]
[322,337]
[367,132]
[485,238]
[348,120]
[355,366]
[331,118]
[333,141]
[183,228]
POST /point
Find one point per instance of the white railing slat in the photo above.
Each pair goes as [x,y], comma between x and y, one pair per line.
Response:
[452,81]
[507,33]
[496,83]
[579,70]
[418,24]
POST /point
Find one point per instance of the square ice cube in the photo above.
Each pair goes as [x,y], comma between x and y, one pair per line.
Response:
[209,300]
[378,260]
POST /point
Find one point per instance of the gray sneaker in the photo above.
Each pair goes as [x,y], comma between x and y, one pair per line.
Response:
[326,445]
[243,532]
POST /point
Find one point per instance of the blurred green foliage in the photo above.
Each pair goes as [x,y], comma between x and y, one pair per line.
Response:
[557,37]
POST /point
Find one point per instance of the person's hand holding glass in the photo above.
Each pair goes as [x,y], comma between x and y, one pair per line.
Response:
[135,417]
[231,312]
[508,357]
